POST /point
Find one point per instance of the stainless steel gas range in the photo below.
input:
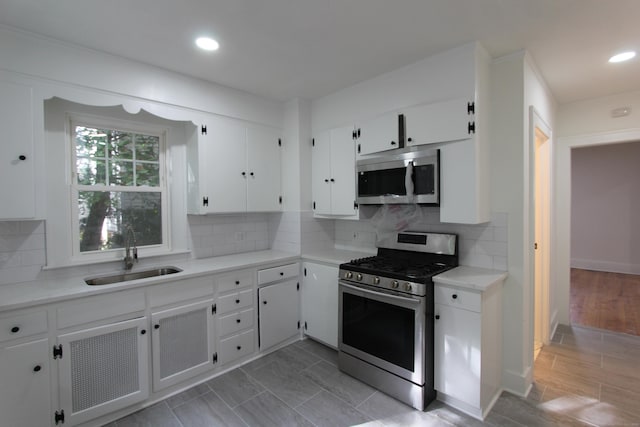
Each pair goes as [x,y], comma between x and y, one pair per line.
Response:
[385,335]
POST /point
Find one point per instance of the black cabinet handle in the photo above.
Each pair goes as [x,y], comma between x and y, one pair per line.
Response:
[156,326]
[22,157]
[239,347]
[244,174]
[333,180]
[437,316]
[237,320]
[237,282]
[264,302]
[281,273]
[237,301]
[144,331]
[326,180]
[454,296]
[409,139]
[15,329]
[37,368]
[251,174]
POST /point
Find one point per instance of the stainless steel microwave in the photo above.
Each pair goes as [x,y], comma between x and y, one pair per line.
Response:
[405,176]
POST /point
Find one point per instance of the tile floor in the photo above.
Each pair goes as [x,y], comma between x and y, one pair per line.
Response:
[585,377]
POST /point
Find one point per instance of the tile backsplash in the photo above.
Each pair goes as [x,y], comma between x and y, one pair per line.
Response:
[215,235]
[22,250]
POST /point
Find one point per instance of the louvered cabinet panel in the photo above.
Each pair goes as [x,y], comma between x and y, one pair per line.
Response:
[103,369]
[182,343]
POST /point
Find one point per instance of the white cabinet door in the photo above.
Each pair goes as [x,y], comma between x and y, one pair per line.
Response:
[377,134]
[457,361]
[224,152]
[17,179]
[182,343]
[320,302]
[279,313]
[25,396]
[264,170]
[103,369]
[321,174]
[333,173]
[438,122]
[343,172]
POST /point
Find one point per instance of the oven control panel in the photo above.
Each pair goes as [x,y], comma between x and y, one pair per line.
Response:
[413,288]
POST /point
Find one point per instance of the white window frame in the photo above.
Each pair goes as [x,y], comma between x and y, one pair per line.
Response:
[126,126]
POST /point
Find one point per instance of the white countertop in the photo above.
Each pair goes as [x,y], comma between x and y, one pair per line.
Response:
[475,278]
[334,256]
[27,294]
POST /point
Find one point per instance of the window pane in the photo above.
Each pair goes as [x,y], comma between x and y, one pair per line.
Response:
[148,174]
[147,148]
[121,173]
[90,171]
[90,142]
[120,144]
[104,214]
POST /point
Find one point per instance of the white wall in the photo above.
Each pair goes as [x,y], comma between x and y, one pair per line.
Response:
[581,124]
[605,201]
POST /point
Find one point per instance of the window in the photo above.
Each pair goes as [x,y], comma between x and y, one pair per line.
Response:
[118,187]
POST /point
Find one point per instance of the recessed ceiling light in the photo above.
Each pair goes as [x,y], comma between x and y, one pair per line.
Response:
[207,43]
[621,57]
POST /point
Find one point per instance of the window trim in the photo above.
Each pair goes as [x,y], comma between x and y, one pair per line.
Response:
[87,120]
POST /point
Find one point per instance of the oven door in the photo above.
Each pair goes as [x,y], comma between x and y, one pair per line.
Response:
[383,329]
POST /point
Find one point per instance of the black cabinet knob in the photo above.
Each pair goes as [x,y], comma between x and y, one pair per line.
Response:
[144,331]
[237,282]
[237,301]
[251,174]
[454,296]
[437,316]
[326,180]
[156,326]
[264,302]
[244,174]
[281,273]
[333,180]
[237,320]
[15,329]
[37,368]
[239,347]
[22,157]
[409,139]
[393,143]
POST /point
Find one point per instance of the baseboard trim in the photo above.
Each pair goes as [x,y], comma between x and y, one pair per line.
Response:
[608,266]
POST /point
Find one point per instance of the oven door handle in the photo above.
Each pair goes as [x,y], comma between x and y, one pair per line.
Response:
[381,294]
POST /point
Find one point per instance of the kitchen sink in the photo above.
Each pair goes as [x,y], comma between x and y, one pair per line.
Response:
[125,277]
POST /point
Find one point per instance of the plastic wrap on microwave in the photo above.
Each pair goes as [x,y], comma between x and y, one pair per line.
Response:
[390,219]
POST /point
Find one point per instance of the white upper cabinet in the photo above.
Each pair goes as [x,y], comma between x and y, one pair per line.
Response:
[234,168]
[17,173]
[451,120]
[378,134]
[333,173]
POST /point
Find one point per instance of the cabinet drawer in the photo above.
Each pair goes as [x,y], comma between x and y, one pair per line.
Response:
[23,325]
[235,280]
[234,322]
[182,290]
[237,346]
[458,298]
[235,301]
[100,307]
[268,275]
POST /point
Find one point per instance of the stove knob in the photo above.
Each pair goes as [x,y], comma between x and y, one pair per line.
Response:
[376,280]
[395,284]
[359,276]
[348,275]
[407,286]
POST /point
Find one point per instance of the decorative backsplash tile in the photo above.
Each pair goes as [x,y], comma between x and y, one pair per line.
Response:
[22,250]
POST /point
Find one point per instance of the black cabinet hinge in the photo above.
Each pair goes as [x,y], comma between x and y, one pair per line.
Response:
[58,417]
[57,352]
[358,148]
[305,326]
[471,108]
[280,199]
[298,286]
[203,129]
[279,142]
[471,127]
[298,324]
[205,201]
[314,205]
[358,133]
[214,309]
[305,272]
[313,142]
[353,134]
[215,358]
[355,205]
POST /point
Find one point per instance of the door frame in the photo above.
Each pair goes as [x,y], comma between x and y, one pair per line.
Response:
[561,214]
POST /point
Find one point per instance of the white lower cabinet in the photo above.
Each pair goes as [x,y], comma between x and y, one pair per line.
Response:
[25,396]
[182,343]
[279,307]
[320,302]
[468,337]
[102,369]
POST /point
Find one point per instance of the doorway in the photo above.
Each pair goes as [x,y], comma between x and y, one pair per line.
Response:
[541,206]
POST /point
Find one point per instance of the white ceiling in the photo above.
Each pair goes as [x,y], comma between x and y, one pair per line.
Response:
[284,49]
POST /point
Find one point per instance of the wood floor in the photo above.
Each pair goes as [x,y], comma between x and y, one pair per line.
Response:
[605,300]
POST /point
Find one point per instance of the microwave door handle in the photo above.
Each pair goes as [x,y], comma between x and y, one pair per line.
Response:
[408,181]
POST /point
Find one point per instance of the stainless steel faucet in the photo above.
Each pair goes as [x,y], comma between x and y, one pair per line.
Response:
[130,256]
